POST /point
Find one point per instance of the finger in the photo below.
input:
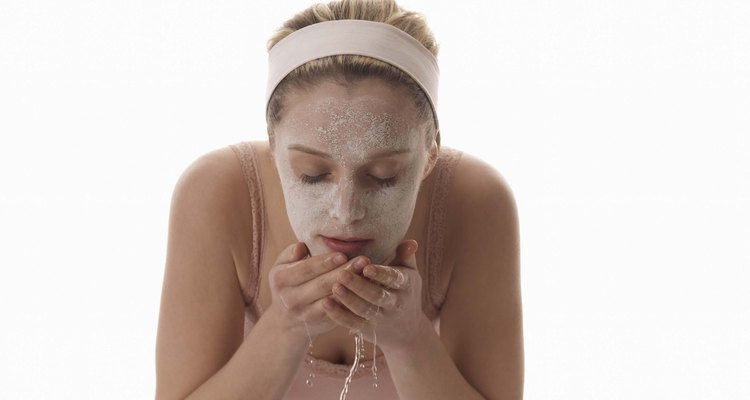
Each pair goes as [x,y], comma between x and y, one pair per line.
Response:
[315,312]
[406,254]
[370,292]
[321,286]
[300,272]
[341,315]
[357,264]
[293,252]
[354,303]
[386,276]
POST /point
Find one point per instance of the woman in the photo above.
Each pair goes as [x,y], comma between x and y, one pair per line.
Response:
[351,219]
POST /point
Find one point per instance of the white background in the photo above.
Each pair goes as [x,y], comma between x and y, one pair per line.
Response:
[622,127]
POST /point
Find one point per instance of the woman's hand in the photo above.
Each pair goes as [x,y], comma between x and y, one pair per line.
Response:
[299,285]
[387,299]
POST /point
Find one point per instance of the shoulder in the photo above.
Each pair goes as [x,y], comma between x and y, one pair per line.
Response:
[471,172]
[481,199]
[221,164]
[211,191]
[210,178]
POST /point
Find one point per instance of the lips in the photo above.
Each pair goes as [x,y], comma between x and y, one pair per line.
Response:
[345,245]
[346,239]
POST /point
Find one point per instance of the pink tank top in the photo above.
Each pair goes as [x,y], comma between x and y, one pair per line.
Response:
[329,378]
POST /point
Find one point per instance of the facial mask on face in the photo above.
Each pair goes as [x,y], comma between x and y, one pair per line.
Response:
[349,202]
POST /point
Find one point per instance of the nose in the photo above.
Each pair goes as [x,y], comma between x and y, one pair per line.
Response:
[347,204]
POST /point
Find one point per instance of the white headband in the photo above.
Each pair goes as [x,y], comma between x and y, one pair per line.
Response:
[352,36]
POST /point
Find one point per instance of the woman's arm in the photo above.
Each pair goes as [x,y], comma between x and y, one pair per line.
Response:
[481,320]
[479,353]
[200,352]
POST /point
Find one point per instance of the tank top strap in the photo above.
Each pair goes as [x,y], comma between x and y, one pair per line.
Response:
[247,157]
[437,225]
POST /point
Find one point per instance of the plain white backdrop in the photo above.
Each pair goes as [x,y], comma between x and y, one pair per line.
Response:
[622,127]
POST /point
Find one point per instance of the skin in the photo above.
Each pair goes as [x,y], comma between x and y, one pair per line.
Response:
[201,349]
[329,154]
[352,190]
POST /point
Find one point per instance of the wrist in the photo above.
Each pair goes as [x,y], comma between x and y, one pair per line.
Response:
[409,345]
[292,332]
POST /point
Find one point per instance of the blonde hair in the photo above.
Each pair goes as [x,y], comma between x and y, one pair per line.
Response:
[344,69]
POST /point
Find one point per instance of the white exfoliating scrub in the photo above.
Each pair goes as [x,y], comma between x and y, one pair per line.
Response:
[343,190]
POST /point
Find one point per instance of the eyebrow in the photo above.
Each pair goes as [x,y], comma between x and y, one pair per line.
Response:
[327,156]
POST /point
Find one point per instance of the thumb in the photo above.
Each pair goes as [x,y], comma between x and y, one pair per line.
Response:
[406,254]
[293,252]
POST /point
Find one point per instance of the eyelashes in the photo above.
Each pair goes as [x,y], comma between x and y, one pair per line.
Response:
[311,180]
[388,182]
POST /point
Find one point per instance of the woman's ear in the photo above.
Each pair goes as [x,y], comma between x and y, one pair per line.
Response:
[432,157]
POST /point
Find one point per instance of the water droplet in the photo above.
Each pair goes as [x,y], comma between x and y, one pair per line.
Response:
[309,382]
[374,356]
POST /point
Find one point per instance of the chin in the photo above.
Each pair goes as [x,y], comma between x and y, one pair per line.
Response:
[376,254]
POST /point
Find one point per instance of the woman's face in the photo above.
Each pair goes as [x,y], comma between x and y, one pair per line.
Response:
[351,160]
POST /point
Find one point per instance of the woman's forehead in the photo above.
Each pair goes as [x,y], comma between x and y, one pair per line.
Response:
[370,94]
[349,126]
[350,122]
[350,146]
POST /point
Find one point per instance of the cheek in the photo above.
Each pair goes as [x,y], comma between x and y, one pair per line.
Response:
[302,202]
[391,220]
[306,214]
[393,207]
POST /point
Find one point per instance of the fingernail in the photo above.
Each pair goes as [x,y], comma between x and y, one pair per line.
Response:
[345,277]
[339,259]
[340,289]
[294,247]
[400,279]
[359,264]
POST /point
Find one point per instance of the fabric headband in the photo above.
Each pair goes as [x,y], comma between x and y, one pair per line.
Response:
[378,40]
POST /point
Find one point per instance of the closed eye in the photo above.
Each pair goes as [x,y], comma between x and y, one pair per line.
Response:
[387,182]
[311,179]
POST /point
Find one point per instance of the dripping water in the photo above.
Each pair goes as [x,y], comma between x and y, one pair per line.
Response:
[374,364]
[357,344]
[310,377]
